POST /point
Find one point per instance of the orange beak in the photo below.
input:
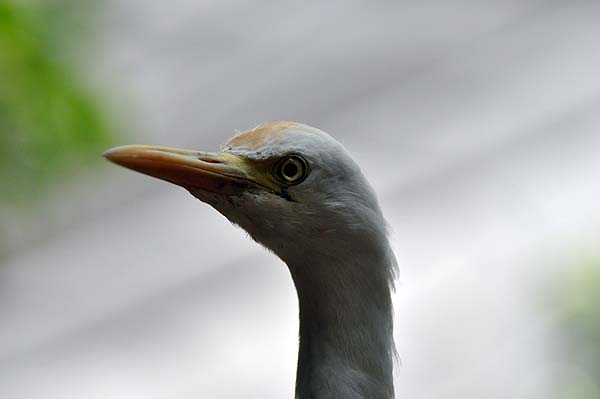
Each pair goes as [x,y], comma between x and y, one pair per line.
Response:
[221,173]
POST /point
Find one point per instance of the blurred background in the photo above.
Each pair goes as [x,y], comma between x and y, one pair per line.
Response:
[478,123]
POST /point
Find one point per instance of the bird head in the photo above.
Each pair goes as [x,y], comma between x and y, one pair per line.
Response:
[292,187]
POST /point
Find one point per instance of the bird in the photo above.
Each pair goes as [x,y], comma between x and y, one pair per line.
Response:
[297,191]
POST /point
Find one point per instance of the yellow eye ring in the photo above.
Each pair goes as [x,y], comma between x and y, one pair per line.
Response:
[291,170]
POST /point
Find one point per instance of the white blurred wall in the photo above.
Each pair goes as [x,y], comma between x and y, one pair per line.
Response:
[478,123]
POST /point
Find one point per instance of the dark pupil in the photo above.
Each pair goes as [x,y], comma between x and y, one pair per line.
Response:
[290,170]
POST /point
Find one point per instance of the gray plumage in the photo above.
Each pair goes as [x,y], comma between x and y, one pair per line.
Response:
[329,230]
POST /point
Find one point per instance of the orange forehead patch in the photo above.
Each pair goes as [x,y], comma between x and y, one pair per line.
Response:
[254,138]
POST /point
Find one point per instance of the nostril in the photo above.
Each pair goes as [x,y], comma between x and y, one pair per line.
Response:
[209,159]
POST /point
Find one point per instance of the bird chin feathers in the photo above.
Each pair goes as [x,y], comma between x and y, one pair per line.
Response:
[295,230]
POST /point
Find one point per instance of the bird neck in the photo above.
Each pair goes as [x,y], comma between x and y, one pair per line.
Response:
[346,339]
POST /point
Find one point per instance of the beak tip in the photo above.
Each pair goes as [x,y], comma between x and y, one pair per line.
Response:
[113,154]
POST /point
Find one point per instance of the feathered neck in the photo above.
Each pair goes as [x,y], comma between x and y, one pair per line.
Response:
[346,324]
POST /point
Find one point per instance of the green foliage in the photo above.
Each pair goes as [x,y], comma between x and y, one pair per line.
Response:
[580,324]
[50,124]
[581,301]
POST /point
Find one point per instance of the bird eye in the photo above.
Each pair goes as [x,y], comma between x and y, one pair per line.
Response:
[292,170]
